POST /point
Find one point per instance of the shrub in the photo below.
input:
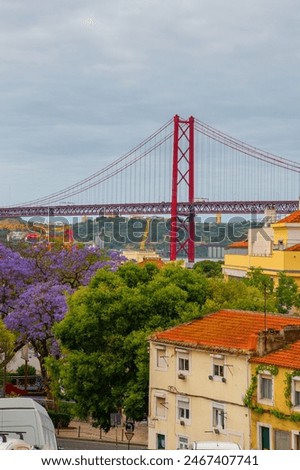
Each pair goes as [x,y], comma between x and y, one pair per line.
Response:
[60,419]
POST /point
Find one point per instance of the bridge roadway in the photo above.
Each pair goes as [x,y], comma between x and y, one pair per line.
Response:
[150,208]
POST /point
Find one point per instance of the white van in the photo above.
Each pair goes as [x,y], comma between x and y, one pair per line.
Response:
[214,445]
[26,419]
[15,444]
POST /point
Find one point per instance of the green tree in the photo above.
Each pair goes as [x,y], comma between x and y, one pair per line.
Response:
[23,370]
[235,294]
[209,268]
[7,345]
[256,277]
[104,335]
[286,293]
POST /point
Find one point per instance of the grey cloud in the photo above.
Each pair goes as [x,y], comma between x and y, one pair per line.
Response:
[88,81]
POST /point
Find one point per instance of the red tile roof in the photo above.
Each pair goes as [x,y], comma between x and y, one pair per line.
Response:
[243,244]
[293,218]
[286,357]
[233,330]
[293,248]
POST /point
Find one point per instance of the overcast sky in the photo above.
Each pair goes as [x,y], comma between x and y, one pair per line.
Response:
[83,82]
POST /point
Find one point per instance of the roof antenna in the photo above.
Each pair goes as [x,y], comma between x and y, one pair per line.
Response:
[265,314]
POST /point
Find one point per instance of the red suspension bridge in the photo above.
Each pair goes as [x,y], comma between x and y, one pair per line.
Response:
[184,169]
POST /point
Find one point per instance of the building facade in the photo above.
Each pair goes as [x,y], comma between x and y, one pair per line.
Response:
[200,374]
[274,248]
[274,398]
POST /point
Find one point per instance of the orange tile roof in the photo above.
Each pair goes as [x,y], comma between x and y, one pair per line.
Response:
[293,218]
[293,248]
[243,244]
[159,263]
[233,330]
[288,356]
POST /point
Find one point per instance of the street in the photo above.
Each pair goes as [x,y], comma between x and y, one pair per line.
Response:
[81,444]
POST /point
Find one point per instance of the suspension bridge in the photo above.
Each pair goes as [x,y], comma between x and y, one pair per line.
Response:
[183,169]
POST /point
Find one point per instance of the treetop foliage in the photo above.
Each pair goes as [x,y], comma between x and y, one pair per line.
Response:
[34,283]
[88,315]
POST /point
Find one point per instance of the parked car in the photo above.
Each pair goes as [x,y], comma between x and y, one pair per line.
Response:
[27,419]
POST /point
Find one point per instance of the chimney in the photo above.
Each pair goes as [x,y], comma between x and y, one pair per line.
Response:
[269,216]
[270,340]
[291,333]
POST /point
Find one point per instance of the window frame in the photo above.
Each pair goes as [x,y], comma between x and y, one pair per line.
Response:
[183,442]
[218,411]
[161,362]
[159,437]
[263,377]
[295,440]
[183,357]
[218,367]
[295,403]
[160,403]
[259,426]
[186,409]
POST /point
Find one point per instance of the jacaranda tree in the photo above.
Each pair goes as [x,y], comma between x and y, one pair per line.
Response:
[34,285]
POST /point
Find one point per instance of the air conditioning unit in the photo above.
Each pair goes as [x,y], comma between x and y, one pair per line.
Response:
[182,422]
[182,376]
[210,377]
[216,430]
[224,380]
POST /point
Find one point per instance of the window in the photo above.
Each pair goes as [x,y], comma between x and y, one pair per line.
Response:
[282,440]
[183,408]
[296,392]
[183,361]
[217,365]
[218,416]
[218,370]
[265,384]
[296,441]
[266,388]
[183,364]
[160,404]
[160,441]
[161,358]
[183,442]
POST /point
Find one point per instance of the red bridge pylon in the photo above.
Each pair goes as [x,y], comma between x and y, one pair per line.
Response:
[182,233]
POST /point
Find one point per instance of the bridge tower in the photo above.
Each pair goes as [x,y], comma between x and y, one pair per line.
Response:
[182,230]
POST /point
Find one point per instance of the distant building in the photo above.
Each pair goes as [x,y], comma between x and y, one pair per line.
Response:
[274,248]
[140,255]
[16,236]
[200,374]
[18,360]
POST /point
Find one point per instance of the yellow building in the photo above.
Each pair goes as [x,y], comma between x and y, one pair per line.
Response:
[274,395]
[200,374]
[274,248]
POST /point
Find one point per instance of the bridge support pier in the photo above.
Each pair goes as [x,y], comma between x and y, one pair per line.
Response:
[182,233]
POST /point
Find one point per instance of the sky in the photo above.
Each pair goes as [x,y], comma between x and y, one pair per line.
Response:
[83,82]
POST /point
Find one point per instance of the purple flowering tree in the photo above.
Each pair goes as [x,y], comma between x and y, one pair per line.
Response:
[71,265]
[35,312]
[16,273]
[33,287]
